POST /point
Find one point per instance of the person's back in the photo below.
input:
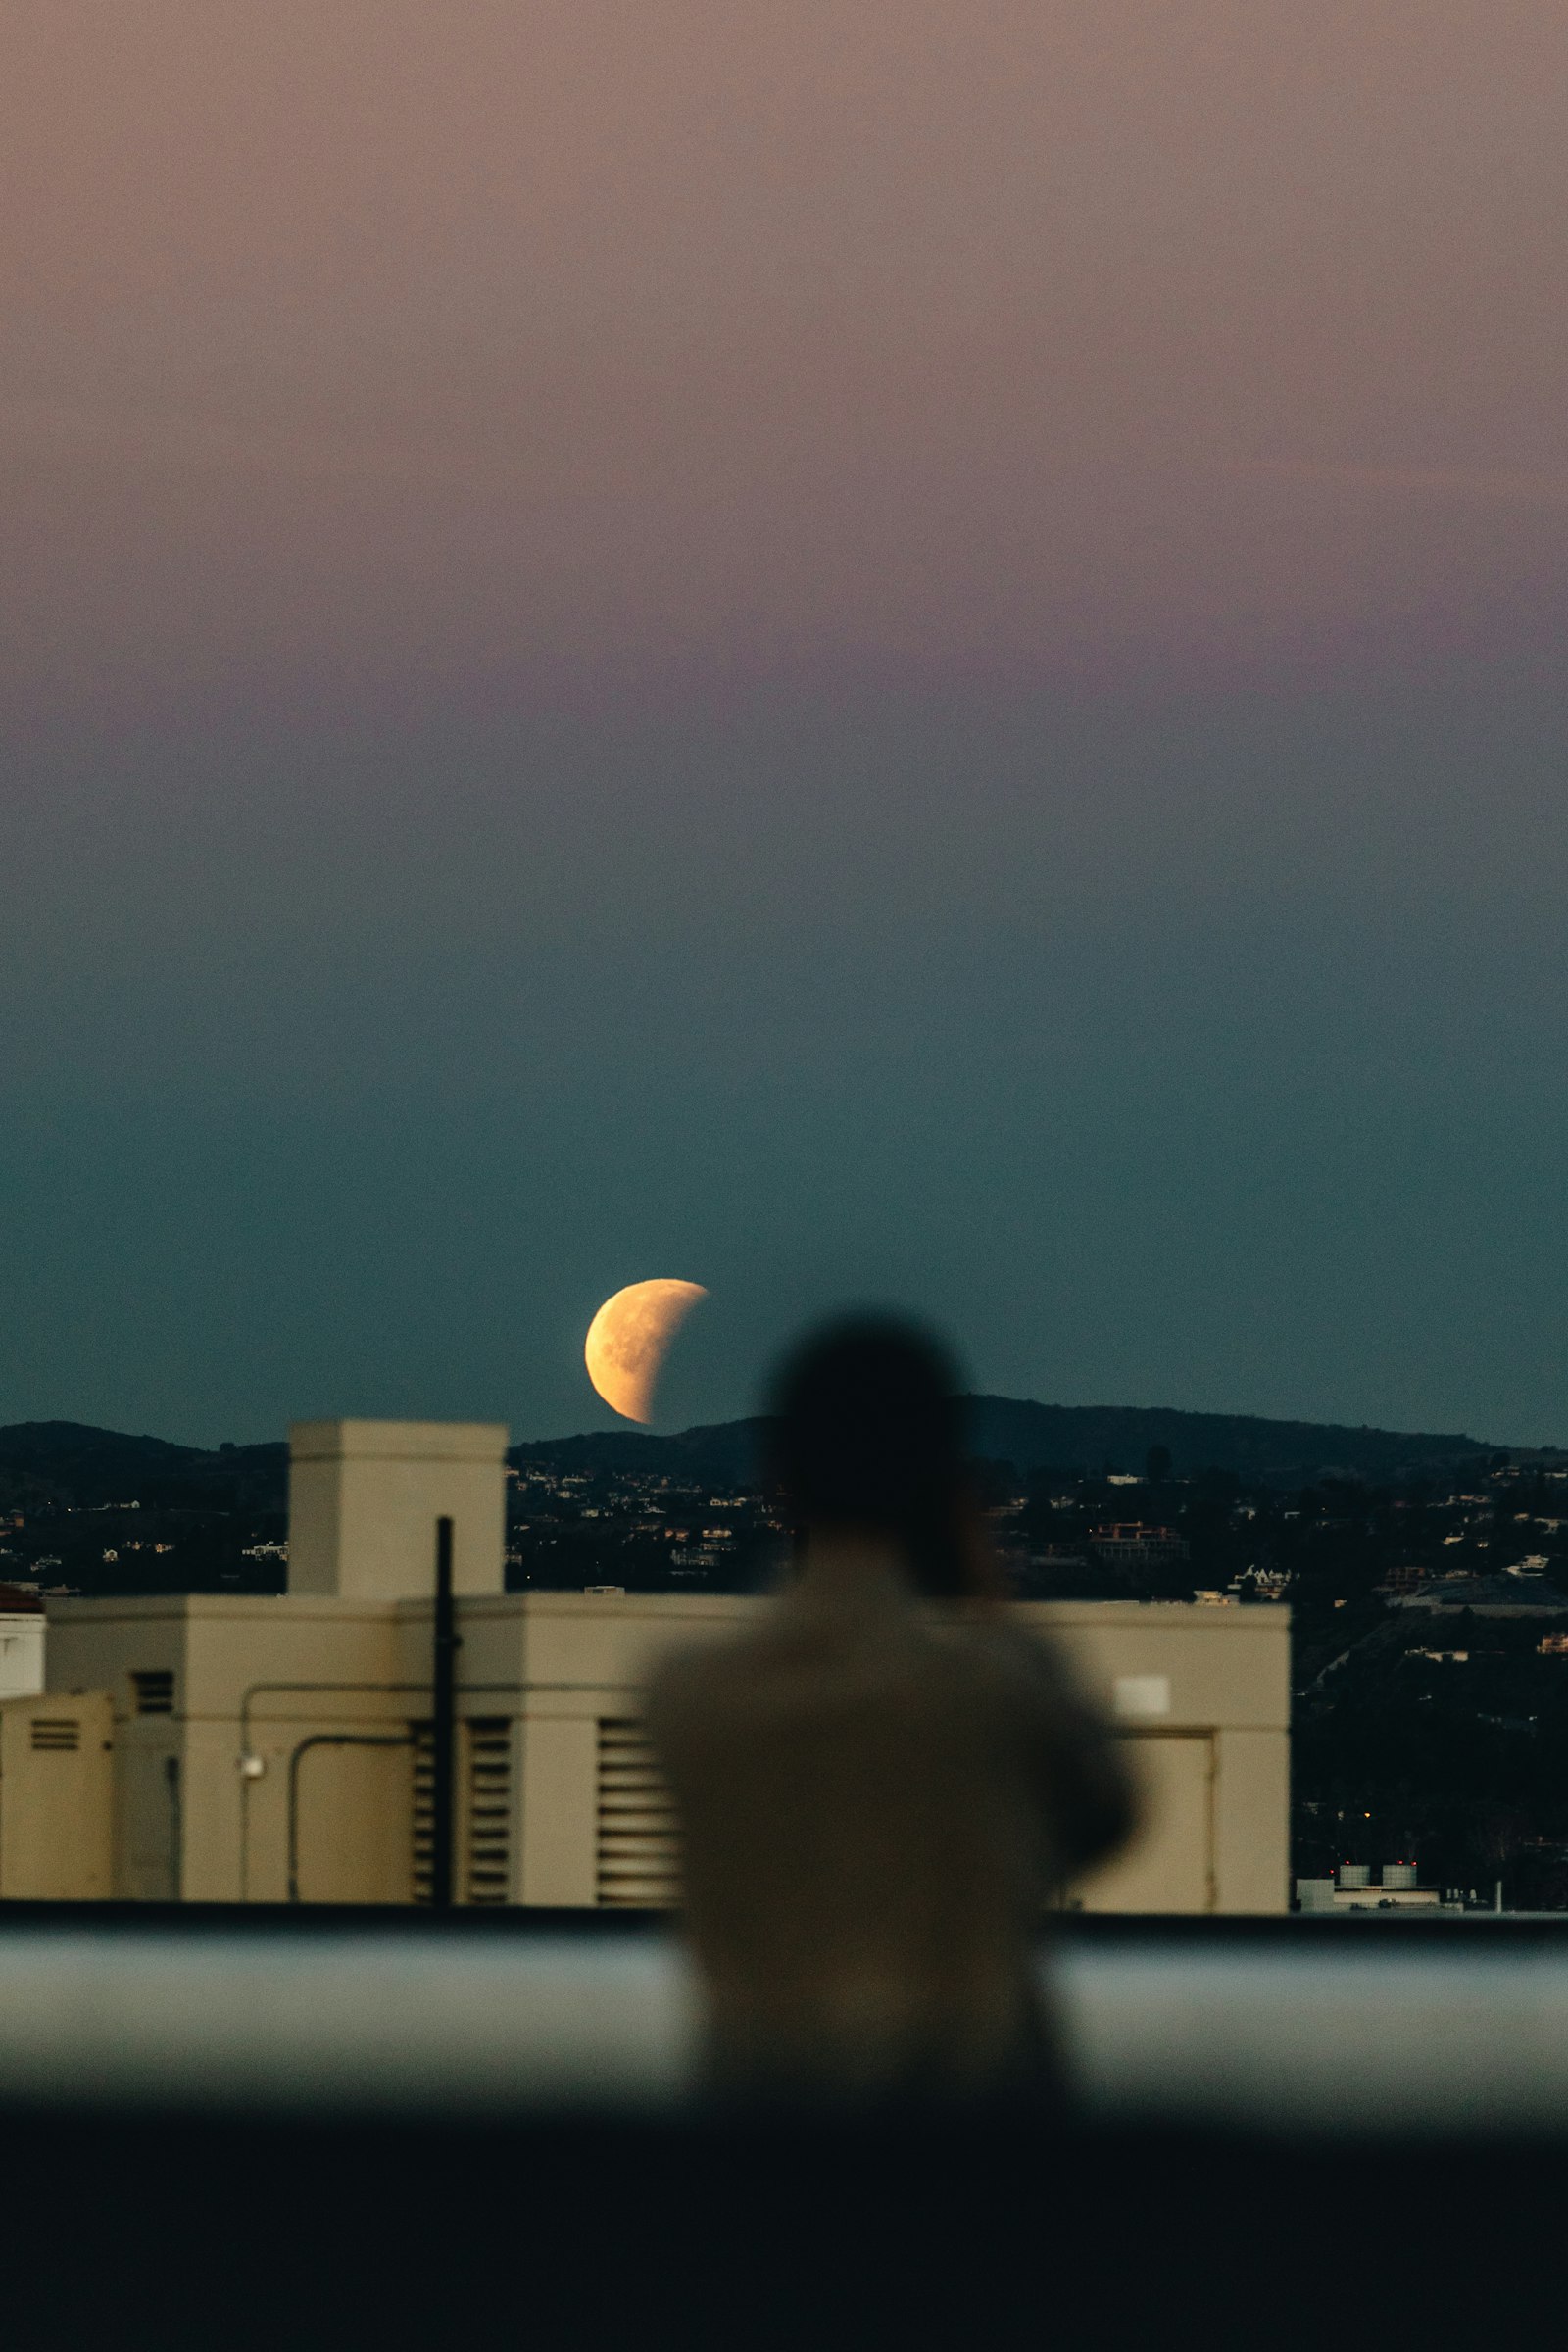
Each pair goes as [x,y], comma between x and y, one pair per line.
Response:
[878,1792]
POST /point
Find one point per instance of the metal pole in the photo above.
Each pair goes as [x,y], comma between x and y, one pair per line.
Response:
[443,1695]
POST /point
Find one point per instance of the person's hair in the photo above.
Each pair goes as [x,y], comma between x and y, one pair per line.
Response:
[866,1431]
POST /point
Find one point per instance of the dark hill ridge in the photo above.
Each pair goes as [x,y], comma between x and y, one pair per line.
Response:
[1097,1436]
[71,1462]
[1073,1437]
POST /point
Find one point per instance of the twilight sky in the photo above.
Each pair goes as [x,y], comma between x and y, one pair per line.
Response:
[846,652]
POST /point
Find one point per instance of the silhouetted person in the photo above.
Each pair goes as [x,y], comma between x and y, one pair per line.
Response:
[881,1784]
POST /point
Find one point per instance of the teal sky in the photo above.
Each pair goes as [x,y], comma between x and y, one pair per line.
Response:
[852,656]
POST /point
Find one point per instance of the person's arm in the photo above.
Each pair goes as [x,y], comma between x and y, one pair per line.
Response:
[1088,1791]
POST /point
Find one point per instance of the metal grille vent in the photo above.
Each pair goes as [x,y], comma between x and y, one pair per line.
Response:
[484,1827]
[155,1690]
[639,1841]
[489,1823]
[56,1735]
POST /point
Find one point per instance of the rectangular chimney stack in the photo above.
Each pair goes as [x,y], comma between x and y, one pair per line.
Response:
[364,1497]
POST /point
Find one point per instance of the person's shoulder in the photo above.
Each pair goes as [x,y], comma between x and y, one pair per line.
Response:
[995,1649]
[698,1677]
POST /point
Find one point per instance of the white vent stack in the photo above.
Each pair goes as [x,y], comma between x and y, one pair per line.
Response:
[364,1497]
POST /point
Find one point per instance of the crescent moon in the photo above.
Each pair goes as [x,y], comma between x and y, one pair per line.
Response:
[629,1339]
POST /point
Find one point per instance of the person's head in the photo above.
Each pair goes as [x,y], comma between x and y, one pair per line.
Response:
[866,1435]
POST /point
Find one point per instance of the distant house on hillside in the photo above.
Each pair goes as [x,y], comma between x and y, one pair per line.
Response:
[1129,1543]
[1484,1597]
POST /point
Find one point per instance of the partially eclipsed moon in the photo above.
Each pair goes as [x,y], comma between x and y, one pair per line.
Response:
[629,1339]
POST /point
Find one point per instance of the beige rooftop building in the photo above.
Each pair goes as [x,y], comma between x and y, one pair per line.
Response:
[224,1748]
[363,1498]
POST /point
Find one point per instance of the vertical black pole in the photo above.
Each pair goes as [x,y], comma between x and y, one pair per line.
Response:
[443,1695]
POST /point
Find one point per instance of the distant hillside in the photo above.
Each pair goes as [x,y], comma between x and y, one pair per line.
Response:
[1094,1437]
[719,1453]
[71,1462]
[1070,1437]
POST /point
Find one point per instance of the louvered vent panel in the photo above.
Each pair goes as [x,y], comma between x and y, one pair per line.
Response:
[489,1809]
[484,1861]
[57,1735]
[639,1843]
[155,1690]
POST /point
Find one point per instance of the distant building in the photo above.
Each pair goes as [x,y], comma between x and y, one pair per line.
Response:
[22,1623]
[1129,1543]
[1355,1890]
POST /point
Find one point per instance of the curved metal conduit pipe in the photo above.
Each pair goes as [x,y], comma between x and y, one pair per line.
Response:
[251,1765]
[297,1755]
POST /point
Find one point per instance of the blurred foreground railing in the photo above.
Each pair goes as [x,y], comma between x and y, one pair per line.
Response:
[1276,2026]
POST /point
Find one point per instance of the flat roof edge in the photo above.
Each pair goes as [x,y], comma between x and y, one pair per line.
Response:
[351,1440]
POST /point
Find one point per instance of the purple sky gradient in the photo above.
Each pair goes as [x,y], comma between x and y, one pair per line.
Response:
[575,348]
[909,650]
